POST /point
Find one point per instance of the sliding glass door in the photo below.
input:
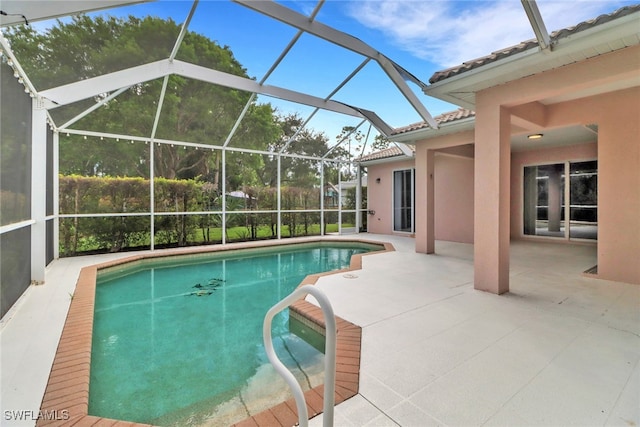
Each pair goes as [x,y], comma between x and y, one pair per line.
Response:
[583,215]
[546,191]
[403,194]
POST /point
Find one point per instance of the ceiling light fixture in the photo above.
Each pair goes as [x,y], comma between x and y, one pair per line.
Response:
[535,136]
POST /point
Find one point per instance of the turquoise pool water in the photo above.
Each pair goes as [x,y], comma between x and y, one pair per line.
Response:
[175,340]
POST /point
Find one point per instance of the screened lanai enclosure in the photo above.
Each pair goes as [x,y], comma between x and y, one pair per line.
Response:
[122,131]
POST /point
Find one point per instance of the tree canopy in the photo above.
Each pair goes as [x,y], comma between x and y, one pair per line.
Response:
[192,111]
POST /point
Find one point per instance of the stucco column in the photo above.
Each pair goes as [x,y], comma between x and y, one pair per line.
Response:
[618,188]
[555,199]
[424,200]
[491,196]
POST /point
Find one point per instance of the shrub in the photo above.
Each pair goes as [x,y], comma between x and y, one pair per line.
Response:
[113,195]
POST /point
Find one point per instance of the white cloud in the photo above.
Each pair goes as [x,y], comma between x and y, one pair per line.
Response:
[448,33]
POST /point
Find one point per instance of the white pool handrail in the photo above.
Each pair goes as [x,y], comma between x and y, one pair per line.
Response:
[329,354]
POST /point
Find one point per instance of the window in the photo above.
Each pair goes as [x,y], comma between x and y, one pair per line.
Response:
[403,194]
[546,190]
[584,200]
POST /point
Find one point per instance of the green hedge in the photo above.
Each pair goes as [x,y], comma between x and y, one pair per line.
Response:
[90,195]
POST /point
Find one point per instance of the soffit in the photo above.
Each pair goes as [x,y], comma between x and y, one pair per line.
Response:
[464,120]
[559,137]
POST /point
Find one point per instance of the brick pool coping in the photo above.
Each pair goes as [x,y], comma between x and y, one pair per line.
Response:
[66,397]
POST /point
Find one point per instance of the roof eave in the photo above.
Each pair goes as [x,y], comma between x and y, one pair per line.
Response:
[453,89]
[448,88]
[396,158]
[411,137]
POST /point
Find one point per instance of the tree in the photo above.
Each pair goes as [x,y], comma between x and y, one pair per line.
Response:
[380,142]
[356,143]
[192,110]
[256,131]
[293,139]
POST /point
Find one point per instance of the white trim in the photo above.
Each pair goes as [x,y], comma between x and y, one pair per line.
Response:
[322,209]
[413,201]
[358,222]
[15,64]
[56,195]
[537,23]
[183,31]
[16,226]
[107,215]
[236,125]
[391,159]
[339,199]
[92,108]
[344,138]
[83,89]
[405,149]
[460,125]
[223,187]
[39,129]
[302,22]
[44,10]
[152,197]
[566,238]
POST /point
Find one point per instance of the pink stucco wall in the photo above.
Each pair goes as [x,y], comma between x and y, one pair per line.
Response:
[380,195]
[454,198]
[583,93]
[617,114]
[427,204]
[491,238]
[618,117]
[619,186]
[519,160]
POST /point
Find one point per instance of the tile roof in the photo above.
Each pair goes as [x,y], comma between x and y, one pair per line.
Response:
[451,116]
[531,44]
[392,151]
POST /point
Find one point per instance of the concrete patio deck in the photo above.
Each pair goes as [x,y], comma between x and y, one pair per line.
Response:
[559,349]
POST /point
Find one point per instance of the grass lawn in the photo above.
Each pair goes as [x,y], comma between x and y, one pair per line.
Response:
[199,236]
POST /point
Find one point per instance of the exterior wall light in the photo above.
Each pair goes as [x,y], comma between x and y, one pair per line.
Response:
[377,180]
[535,136]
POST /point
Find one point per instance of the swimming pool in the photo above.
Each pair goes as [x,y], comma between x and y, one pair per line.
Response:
[174,341]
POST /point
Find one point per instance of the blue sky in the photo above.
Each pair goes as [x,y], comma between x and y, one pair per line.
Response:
[422,36]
